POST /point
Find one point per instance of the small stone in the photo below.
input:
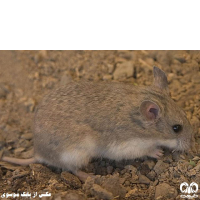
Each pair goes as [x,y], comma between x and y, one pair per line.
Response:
[196,158]
[127,183]
[164,190]
[123,171]
[10,134]
[101,193]
[30,105]
[143,179]
[118,189]
[120,60]
[131,168]
[196,78]
[58,198]
[27,136]
[197,167]
[18,150]
[170,77]
[182,156]
[110,68]
[190,167]
[24,143]
[180,58]
[65,79]
[126,175]
[71,180]
[160,167]
[134,178]
[123,70]
[107,77]
[74,196]
[132,193]
[3,91]
[149,163]
[49,82]
[151,175]
[28,154]
[144,169]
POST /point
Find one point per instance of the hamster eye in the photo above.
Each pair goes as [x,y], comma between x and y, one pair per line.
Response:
[177,128]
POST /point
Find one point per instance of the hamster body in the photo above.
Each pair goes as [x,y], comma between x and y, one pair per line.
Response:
[82,120]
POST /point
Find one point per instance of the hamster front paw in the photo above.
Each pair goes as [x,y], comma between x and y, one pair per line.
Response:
[156,153]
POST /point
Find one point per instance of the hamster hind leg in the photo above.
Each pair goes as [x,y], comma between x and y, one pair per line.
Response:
[78,156]
[73,161]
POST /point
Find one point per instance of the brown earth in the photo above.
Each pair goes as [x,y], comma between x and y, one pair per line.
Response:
[26,76]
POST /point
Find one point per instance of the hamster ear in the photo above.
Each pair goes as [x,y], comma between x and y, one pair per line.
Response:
[149,110]
[160,79]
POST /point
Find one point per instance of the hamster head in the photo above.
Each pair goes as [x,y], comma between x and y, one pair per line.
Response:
[162,116]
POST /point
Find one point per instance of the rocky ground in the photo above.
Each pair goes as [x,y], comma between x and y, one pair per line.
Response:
[26,76]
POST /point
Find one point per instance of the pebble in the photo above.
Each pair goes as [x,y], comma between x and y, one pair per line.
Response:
[196,78]
[123,70]
[107,77]
[127,175]
[164,190]
[11,134]
[131,168]
[118,189]
[182,156]
[3,90]
[28,154]
[47,69]
[127,183]
[196,158]
[24,143]
[144,169]
[190,167]
[110,68]
[27,136]
[197,167]
[180,58]
[65,79]
[131,193]
[170,77]
[18,151]
[30,105]
[71,180]
[151,175]
[73,196]
[143,179]
[101,193]
[160,167]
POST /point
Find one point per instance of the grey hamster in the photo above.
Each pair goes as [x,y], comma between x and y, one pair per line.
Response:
[82,120]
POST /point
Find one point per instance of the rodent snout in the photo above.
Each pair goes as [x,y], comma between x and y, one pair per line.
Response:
[185,143]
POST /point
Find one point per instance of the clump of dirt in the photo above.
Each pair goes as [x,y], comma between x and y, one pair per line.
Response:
[26,76]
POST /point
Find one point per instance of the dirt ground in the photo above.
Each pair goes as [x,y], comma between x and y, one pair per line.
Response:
[26,76]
